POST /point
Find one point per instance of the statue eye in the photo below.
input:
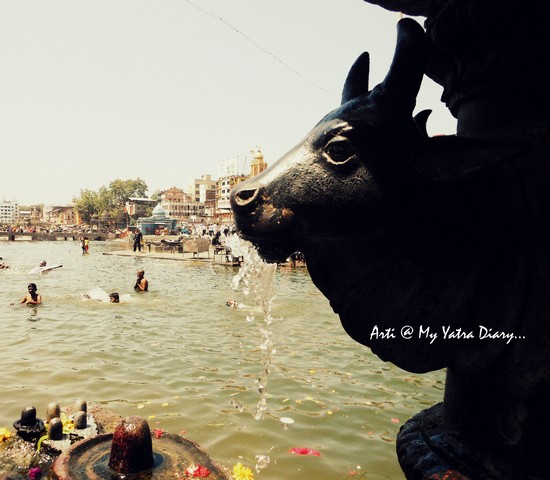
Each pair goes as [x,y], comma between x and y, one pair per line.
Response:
[340,150]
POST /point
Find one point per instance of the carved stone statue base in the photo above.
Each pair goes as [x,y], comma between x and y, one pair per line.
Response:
[428,448]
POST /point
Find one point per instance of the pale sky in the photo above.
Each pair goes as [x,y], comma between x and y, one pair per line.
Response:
[97,90]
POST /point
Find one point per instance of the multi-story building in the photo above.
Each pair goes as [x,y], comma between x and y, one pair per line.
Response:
[59,215]
[202,189]
[179,204]
[232,172]
[33,216]
[138,207]
[9,212]
[225,185]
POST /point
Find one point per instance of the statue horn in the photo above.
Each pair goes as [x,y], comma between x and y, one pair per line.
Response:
[407,68]
[357,81]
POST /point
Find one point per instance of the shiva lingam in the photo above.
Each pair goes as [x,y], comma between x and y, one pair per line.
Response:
[132,452]
[53,410]
[58,439]
[28,426]
[84,423]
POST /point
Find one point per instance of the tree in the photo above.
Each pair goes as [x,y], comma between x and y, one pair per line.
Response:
[155,196]
[87,204]
[118,193]
[120,190]
[109,200]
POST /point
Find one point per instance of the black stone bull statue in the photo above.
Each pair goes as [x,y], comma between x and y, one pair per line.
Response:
[424,247]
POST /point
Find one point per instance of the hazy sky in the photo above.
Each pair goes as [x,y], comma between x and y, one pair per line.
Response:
[92,91]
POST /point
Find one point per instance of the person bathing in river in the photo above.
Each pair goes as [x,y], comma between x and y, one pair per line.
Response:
[142,285]
[33,297]
[114,297]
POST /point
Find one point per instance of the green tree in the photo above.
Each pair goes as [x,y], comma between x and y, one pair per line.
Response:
[155,196]
[109,200]
[120,191]
[87,204]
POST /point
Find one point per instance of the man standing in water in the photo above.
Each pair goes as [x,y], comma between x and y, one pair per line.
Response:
[33,297]
[142,285]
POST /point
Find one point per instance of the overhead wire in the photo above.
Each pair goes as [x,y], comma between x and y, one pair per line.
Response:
[259,47]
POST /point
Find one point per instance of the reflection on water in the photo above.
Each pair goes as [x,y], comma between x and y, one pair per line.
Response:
[181,358]
[33,315]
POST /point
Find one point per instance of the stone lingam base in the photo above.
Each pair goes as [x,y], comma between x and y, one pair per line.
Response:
[20,460]
[133,452]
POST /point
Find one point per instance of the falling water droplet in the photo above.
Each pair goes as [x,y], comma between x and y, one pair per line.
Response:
[238,405]
[257,278]
[262,461]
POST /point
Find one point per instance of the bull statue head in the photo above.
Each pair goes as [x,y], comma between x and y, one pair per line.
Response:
[390,221]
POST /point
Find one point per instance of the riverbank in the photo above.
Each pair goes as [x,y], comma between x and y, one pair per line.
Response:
[204,257]
[52,237]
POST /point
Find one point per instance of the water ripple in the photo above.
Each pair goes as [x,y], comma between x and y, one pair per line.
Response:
[179,357]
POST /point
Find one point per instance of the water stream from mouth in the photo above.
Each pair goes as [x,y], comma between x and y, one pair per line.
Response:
[255,277]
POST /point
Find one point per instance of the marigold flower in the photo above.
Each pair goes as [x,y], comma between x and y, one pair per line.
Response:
[240,472]
[4,434]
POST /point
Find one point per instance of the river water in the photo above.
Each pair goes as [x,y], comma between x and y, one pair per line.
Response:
[181,358]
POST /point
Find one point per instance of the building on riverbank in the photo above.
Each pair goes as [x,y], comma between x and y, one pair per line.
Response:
[59,215]
[9,212]
[157,222]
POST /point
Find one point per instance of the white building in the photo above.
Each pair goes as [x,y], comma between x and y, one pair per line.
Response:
[234,170]
[179,204]
[236,166]
[203,190]
[9,212]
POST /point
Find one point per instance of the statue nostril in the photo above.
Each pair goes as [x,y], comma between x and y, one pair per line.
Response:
[245,197]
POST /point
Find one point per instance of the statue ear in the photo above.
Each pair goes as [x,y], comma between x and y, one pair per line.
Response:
[450,157]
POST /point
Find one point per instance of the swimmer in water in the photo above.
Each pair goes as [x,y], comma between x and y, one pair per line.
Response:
[33,297]
[234,304]
[43,268]
[142,285]
[231,303]
[114,297]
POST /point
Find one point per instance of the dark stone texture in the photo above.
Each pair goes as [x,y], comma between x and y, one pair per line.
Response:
[438,233]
